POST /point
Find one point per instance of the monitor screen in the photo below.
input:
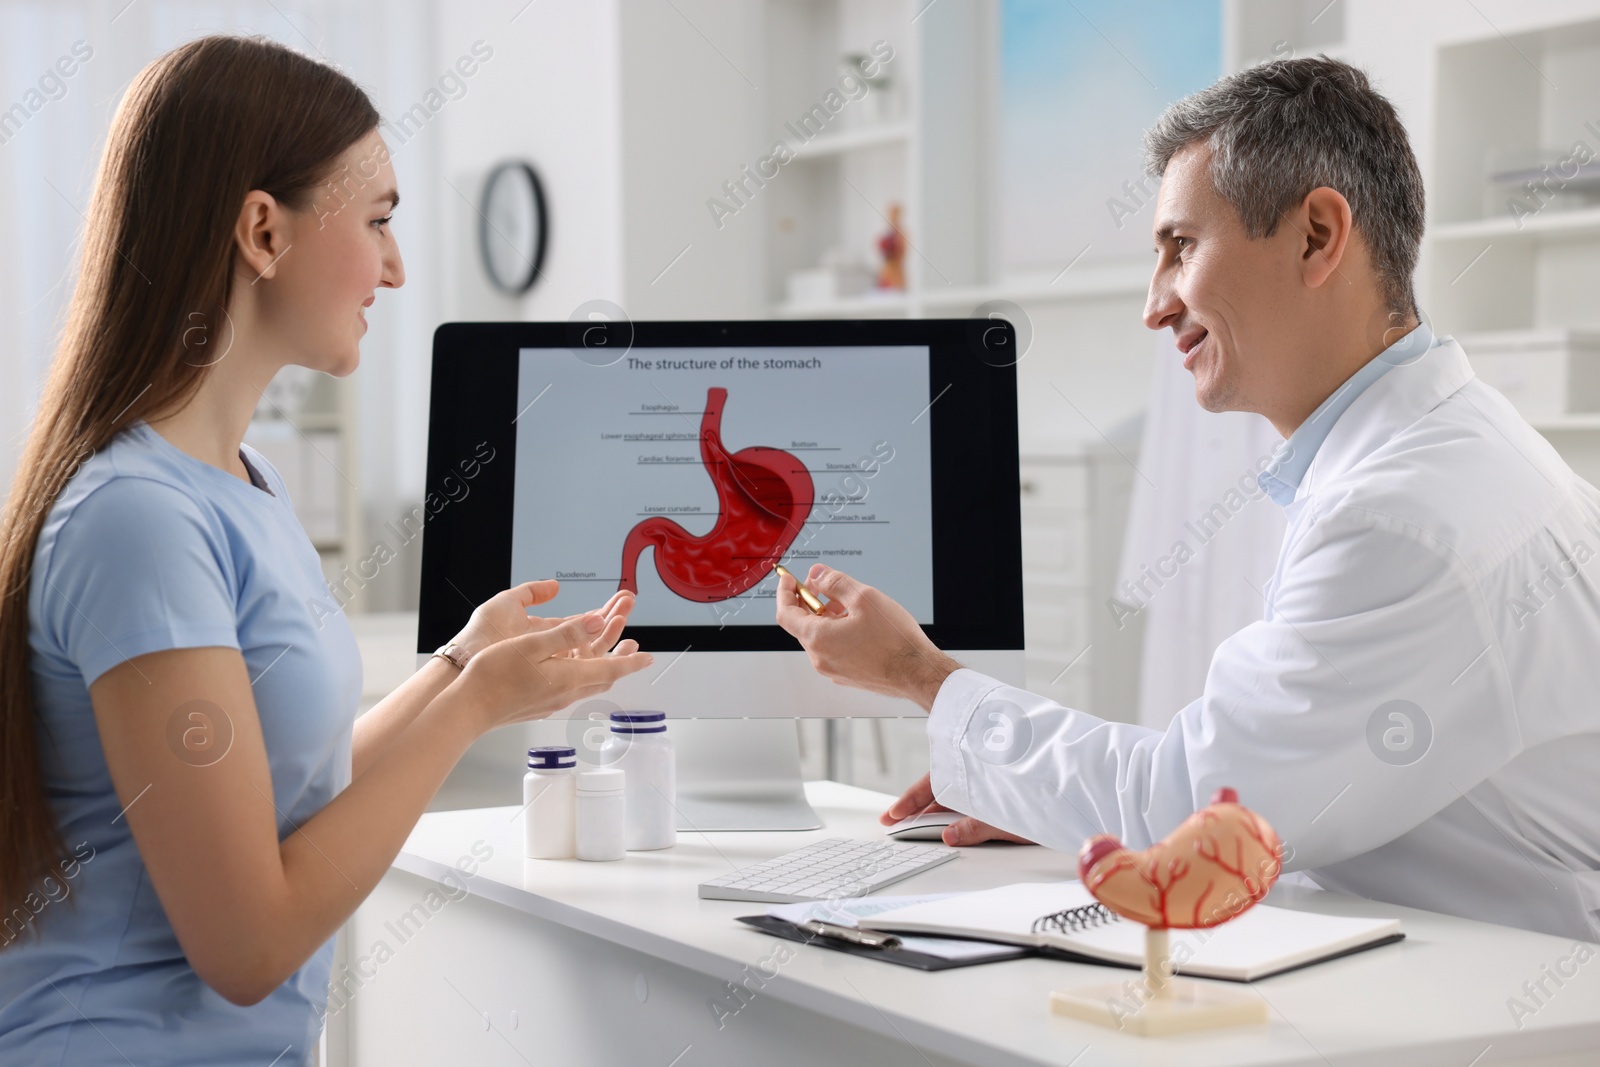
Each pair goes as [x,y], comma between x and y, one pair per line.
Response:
[685,474]
[682,460]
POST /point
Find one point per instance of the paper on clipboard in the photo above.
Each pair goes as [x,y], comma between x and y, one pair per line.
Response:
[849,911]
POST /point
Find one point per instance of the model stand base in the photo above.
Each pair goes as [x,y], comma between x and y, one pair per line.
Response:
[1170,1006]
[1180,1007]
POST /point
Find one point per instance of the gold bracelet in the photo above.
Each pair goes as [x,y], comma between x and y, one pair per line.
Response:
[454,653]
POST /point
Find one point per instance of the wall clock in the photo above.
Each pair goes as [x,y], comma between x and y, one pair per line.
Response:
[512,227]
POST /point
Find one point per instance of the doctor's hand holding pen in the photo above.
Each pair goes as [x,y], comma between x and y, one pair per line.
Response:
[861,637]
[525,666]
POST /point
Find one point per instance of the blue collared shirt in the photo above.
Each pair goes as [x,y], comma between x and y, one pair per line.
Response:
[1281,480]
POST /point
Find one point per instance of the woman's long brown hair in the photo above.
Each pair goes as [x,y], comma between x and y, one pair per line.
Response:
[198,129]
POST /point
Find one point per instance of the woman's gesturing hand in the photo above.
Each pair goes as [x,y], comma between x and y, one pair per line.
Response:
[506,615]
[536,673]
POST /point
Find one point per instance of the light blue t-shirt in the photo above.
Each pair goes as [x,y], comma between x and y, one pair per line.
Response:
[150,548]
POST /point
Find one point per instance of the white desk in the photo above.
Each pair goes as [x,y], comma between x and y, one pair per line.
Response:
[564,962]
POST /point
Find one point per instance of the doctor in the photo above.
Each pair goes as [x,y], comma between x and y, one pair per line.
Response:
[1418,710]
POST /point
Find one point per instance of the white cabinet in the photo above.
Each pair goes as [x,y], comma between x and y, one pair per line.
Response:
[1514,241]
[1055,588]
[1074,512]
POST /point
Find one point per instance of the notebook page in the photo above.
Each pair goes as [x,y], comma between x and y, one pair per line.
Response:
[1260,941]
[1008,911]
[1266,940]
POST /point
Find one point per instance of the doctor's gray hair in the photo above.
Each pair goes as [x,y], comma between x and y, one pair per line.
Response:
[1281,129]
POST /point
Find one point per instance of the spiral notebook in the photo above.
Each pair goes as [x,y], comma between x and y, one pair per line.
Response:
[1061,917]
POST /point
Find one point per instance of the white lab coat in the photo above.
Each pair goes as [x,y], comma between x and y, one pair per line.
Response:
[1401,578]
[1194,460]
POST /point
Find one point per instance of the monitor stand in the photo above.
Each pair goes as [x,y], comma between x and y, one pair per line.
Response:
[740,774]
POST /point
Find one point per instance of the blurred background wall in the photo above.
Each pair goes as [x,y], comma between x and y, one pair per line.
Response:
[1007,135]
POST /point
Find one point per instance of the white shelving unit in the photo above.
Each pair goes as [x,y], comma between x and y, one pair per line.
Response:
[874,135]
[932,157]
[1076,283]
[1539,268]
[912,143]
[868,306]
[1550,227]
[309,434]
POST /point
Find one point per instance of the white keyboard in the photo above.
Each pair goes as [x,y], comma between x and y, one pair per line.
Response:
[824,870]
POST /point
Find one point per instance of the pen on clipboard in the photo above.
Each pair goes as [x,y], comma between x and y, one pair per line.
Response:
[805,594]
[870,938]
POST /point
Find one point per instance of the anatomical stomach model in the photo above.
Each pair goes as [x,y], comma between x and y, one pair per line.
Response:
[1218,862]
[764,496]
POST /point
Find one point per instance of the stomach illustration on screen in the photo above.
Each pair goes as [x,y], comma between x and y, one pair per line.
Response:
[764,495]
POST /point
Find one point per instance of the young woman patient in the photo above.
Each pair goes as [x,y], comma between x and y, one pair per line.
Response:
[189,806]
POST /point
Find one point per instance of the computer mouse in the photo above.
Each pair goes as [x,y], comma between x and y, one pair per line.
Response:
[928,826]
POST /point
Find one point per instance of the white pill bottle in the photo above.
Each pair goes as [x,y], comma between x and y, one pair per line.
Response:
[549,798]
[639,745]
[601,818]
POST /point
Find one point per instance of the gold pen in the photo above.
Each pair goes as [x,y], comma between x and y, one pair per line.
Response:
[855,935]
[805,594]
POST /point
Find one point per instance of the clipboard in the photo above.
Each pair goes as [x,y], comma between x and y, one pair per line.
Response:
[920,961]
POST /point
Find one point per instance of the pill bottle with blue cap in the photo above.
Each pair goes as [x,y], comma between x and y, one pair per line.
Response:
[549,803]
[640,746]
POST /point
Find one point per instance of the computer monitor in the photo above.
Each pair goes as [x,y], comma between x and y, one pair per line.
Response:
[683,460]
